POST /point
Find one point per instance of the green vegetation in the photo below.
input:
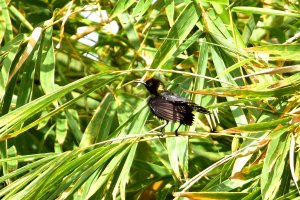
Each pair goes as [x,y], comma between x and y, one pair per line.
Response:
[74,125]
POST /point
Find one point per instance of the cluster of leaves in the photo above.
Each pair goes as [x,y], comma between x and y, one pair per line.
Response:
[74,126]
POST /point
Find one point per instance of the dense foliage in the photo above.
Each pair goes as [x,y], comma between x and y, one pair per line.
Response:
[75,125]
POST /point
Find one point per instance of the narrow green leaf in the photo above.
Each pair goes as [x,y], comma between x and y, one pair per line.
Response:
[177,149]
[176,35]
[202,67]
[244,93]
[262,126]
[47,63]
[187,43]
[274,165]
[136,127]
[19,184]
[74,124]
[99,183]
[151,167]
[20,17]
[27,167]
[249,28]
[8,33]
[237,112]
[212,195]
[27,73]
[33,40]
[288,52]
[18,116]
[2,22]
[225,2]
[100,124]
[131,33]
[235,66]
[83,170]
[229,185]
[266,11]
[36,184]
[121,7]
[124,175]
[11,48]
[61,129]
[170,9]
[220,30]
[141,8]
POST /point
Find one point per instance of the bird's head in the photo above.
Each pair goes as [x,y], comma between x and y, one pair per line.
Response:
[154,86]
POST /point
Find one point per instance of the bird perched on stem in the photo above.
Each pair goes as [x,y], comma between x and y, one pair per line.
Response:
[169,106]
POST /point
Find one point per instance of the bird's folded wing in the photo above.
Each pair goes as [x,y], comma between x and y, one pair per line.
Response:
[178,100]
[174,97]
[168,111]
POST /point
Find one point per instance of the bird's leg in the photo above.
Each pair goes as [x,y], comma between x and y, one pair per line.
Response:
[177,129]
[161,127]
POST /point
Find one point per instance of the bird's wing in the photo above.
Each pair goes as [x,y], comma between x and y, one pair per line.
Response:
[178,100]
[170,111]
[174,97]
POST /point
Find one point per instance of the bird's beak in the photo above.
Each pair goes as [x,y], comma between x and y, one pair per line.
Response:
[140,82]
[130,82]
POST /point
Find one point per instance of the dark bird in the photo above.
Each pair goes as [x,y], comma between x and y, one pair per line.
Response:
[169,106]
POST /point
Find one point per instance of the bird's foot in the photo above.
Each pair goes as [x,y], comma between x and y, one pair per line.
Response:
[161,134]
[213,130]
[176,133]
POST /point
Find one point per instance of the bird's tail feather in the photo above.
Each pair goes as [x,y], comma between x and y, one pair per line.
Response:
[211,120]
[200,109]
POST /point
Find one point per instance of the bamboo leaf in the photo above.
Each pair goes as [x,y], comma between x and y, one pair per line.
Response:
[176,35]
